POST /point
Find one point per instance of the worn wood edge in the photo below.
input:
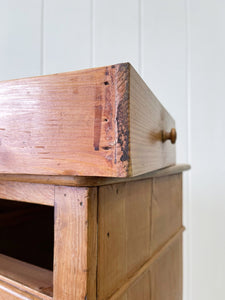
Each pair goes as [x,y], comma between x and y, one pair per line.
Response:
[85,181]
[119,292]
[23,287]
[109,91]
[14,290]
[61,73]
[122,119]
[27,192]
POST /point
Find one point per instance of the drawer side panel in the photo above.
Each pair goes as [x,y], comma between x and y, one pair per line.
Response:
[148,118]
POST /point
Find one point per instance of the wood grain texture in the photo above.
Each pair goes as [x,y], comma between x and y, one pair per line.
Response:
[72,240]
[96,122]
[26,280]
[92,244]
[145,269]
[123,234]
[166,215]
[166,274]
[8,292]
[148,118]
[140,288]
[27,192]
[92,181]
[63,124]
[135,220]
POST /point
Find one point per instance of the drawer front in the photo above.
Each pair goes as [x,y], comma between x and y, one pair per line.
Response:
[135,220]
[96,122]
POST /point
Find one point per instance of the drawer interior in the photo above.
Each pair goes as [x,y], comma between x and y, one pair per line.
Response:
[27,232]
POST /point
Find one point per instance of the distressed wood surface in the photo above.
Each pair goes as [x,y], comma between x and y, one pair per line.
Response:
[73,263]
[96,122]
[17,277]
[92,181]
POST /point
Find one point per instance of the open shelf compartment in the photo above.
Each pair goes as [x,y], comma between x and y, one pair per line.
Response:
[26,249]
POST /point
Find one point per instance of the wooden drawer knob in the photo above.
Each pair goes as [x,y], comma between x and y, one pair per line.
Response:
[172,136]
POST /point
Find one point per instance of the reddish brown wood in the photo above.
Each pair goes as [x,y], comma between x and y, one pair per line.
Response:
[96,122]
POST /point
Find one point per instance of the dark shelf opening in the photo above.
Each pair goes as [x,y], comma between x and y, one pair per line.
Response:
[27,232]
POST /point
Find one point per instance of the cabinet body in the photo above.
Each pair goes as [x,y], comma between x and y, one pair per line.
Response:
[113,239]
[90,193]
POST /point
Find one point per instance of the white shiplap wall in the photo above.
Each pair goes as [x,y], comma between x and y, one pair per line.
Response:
[178,47]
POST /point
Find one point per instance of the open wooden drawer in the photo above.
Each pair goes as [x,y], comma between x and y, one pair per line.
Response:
[85,216]
[96,122]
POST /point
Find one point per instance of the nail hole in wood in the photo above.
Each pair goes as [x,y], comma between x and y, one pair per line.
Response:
[64,195]
[106,148]
[106,83]
[81,203]
[108,234]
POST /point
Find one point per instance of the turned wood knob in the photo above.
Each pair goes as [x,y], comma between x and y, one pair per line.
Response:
[172,136]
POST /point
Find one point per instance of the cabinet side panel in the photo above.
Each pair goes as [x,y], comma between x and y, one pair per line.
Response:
[160,278]
[141,288]
[166,274]
[166,209]
[135,221]
[123,234]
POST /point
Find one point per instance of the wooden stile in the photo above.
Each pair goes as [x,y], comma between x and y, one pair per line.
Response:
[75,243]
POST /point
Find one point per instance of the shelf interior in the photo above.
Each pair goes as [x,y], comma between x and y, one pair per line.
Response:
[26,278]
[27,232]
